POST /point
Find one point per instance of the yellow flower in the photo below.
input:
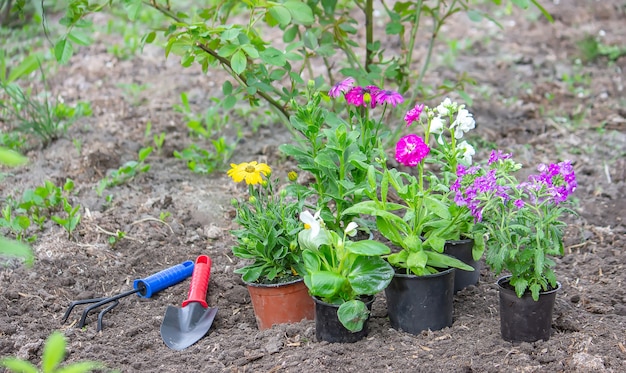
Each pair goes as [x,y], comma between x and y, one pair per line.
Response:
[250,172]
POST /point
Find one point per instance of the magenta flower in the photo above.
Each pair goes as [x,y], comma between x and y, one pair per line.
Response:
[410,150]
[519,203]
[362,96]
[413,115]
[341,87]
[384,96]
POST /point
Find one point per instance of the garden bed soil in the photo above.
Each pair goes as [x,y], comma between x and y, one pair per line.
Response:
[522,103]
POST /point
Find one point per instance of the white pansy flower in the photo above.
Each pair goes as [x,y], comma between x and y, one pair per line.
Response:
[311,222]
[467,152]
[463,123]
[351,229]
[446,106]
[436,125]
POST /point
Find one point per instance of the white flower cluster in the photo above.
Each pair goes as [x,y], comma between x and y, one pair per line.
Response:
[462,123]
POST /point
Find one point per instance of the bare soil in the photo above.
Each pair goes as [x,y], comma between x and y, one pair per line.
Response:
[522,103]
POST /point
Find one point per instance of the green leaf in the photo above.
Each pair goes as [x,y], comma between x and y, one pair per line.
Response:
[149,38]
[144,153]
[63,51]
[229,102]
[11,158]
[352,315]
[227,88]
[326,284]
[439,260]
[439,208]
[53,352]
[27,66]
[370,275]
[300,11]
[290,34]
[238,62]
[417,259]
[132,7]
[280,14]
[367,248]
[18,366]
[16,249]
[250,50]
[79,38]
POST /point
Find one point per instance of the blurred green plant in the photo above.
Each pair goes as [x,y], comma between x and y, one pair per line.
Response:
[10,248]
[53,356]
[591,49]
[41,116]
[126,172]
[35,206]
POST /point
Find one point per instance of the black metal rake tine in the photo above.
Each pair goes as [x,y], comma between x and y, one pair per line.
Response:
[104,301]
[101,314]
[79,302]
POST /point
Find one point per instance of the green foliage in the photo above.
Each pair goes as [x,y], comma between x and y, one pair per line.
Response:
[591,49]
[126,172]
[133,91]
[232,35]
[37,205]
[268,232]
[340,271]
[7,247]
[35,115]
[208,126]
[53,356]
[203,161]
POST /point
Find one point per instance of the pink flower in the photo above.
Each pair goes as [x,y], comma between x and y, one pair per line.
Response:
[413,115]
[384,96]
[362,96]
[341,87]
[410,150]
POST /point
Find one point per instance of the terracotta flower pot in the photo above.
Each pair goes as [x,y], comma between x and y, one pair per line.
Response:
[524,319]
[281,303]
[462,250]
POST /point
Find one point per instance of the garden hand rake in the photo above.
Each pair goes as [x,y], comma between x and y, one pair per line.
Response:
[144,288]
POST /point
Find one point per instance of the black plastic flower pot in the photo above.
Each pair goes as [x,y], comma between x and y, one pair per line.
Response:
[524,319]
[417,303]
[462,250]
[329,328]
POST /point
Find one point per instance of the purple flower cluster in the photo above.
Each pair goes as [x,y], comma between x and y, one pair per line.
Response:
[369,95]
[471,184]
[558,179]
[475,186]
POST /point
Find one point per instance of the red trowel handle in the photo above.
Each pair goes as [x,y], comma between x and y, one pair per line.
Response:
[199,281]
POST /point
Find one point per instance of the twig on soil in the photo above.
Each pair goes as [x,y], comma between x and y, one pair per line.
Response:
[569,248]
[116,235]
[607,173]
[152,219]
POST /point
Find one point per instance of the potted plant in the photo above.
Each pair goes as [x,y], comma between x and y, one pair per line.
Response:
[342,276]
[522,221]
[423,218]
[336,151]
[267,239]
